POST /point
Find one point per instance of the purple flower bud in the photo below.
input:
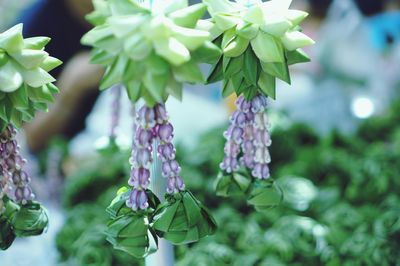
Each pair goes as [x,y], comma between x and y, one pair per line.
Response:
[23,194]
[142,200]
[141,157]
[229,164]
[144,137]
[242,104]
[146,117]
[161,113]
[140,177]
[232,149]
[247,160]
[166,151]
[179,183]
[262,138]
[261,121]
[170,168]
[262,155]
[165,132]
[238,118]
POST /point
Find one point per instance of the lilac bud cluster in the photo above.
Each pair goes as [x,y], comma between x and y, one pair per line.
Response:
[152,125]
[11,166]
[248,138]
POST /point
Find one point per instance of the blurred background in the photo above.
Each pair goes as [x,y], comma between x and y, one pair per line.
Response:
[335,152]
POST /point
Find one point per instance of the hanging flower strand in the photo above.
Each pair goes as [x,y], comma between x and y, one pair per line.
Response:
[25,87]
[259,40]
[152,48]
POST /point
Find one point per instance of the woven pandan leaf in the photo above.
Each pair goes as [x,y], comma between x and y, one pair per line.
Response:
[7,235]
[131,233]
[30,220]
[183,219]
[264,195]
[233,184]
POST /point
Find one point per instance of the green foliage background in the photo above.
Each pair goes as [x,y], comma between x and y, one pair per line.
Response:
[341,206]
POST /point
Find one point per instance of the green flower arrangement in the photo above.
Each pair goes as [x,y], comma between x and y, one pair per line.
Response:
[25,84]
[152,50]
[259,41]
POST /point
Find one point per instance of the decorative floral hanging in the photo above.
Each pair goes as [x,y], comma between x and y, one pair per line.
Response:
[152,48]
[25,86]
[259,41]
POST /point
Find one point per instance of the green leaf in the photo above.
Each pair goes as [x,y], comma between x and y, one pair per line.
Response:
[133,89]
[188,72]
[37,77]
[268,48]
[279,70]
[101,57]
[234,66]
[250,67]
[19,98]
[297,56]
[267,84]
[216,73]
[114,73]
[207,53]
[174,88]
[156,85]
[295,39]
[173,51]
[228,88]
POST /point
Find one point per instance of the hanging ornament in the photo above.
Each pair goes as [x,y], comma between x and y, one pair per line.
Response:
[25,86]
[152,48]
[259,41]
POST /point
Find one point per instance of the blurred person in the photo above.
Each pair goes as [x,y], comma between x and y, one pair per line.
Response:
[63,21]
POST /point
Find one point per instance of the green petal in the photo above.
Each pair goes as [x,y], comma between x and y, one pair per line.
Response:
[188,16]
[156,85]
[173,51]
[12,40]
[217,6]
[295,39]
[236,47]
[226,21]
[50,63]
[268,48]
[10,78]
[247,30]
[37,77]
[209,26]
[122,26]
[137,48]
[175,88]
[254,15]
[191,38]
[276,25]
[30,58]
[296,16]
[36,43]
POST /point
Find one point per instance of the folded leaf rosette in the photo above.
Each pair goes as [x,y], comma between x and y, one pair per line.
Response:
[31,220]
[129,230]
[234,184]
[264,195]
[259,41]
[7,235]
[25,84]
[183,219]
[150,48]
